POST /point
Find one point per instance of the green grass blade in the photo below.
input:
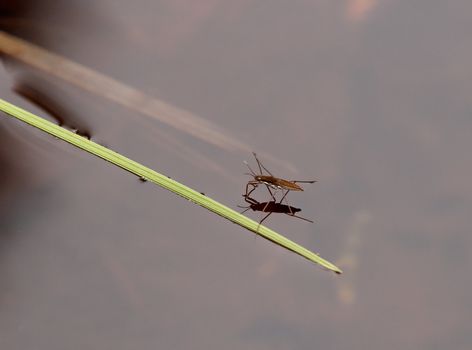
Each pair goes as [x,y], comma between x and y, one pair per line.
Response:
[161,180]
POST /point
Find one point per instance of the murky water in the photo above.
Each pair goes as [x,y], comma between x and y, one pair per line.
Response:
[371,98]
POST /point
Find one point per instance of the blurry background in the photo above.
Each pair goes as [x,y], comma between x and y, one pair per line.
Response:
[369,97]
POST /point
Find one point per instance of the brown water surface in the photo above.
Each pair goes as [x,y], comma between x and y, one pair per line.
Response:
[371,98]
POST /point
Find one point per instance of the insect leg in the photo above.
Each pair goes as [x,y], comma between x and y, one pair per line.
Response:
[254,186]
[299,217]
[286,201]
[245,209]
[265,207]
[271,194]
[260,222]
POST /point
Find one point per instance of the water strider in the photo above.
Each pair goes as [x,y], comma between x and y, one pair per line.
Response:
[270,181]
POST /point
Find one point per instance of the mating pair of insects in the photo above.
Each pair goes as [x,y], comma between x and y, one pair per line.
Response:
[273,185]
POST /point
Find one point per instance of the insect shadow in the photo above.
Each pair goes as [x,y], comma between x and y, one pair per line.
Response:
[270,181]
[271,207]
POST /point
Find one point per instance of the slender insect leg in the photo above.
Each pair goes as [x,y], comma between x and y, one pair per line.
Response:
[286,201]
[299,217]
[265,217]
[290,209]
[260,222]
[283,197]
[271,194]
[265,207]
[247,188]
[245,209]
[254,186]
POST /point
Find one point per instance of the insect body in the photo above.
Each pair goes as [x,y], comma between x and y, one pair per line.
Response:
[271,207]
[276,183]
[271,181]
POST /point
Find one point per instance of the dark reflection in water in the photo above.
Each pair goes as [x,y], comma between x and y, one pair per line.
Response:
[63,116]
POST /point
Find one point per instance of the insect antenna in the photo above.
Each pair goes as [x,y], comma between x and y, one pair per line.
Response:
[261,166]
[252,171]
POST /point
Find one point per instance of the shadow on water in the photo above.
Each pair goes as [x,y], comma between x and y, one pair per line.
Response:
[25,87]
